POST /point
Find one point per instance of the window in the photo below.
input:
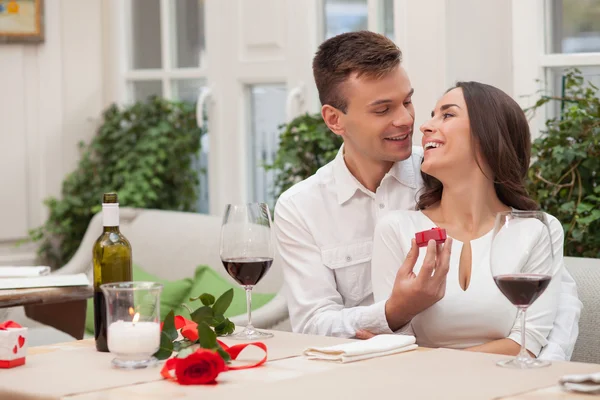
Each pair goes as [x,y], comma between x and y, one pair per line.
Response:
[573,40]
[575,26]
[166,57]
[267,113]
[340,16]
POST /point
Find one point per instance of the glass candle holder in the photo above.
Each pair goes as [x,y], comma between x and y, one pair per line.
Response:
[133,322]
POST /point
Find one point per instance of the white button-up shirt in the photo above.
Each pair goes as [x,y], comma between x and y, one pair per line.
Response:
[324,227]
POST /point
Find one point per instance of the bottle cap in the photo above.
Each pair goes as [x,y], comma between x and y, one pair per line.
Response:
[109,198]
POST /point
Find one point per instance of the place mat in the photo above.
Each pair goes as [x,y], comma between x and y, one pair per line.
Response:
[277,371]
[283,345]
[551,393]
[435,374]
[75,370]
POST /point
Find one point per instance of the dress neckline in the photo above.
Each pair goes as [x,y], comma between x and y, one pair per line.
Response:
[485,235]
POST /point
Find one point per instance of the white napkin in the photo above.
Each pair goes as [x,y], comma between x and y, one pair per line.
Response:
[23,272]
[45,281]
[377,346]
[587,383]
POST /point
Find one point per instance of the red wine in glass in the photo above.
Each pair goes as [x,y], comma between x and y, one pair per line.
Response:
[522,262]
[522,290]
[247,253]
[247,271]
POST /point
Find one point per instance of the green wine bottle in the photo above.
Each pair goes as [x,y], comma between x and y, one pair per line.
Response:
[112,263]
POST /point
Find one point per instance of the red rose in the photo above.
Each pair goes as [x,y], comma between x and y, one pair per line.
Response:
[199,368]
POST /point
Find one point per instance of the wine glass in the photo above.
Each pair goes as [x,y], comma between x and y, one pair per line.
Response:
[247,253]
[522,264]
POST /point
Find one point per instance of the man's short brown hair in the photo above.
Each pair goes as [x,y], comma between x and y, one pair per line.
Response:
[364,53]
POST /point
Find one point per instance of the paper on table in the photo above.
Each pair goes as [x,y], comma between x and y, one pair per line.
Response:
[23,272]
[377,346]
[45,281]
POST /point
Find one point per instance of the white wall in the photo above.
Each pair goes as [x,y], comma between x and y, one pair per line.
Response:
[443,41]
[51,97]
[479,42]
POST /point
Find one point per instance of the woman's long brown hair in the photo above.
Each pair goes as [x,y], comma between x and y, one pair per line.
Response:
[500,132]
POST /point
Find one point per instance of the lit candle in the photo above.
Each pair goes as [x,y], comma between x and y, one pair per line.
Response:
[133,338]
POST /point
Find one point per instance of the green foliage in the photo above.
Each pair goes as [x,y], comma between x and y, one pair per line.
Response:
[145,152]
[564,178]
[211,323]
[305,145]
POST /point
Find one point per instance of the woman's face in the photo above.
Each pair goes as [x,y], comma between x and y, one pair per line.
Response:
[447,139]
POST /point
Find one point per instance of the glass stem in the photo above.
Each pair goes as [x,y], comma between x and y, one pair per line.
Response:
[249,306]
[523,354]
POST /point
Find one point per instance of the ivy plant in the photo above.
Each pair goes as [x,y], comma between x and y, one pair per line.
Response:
[564,177]
[146,152]
[305,145]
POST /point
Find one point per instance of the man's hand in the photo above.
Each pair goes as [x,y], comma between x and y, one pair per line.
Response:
[362,334]
[412,294]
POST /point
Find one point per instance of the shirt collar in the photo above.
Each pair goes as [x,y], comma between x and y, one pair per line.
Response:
[347,185]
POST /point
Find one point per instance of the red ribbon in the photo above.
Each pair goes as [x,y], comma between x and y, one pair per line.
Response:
[9,324]
[233,351]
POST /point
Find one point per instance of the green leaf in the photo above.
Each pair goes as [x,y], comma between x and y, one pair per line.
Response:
[225,328]
[169,326]
[217,320]
[166,347]
[179,345]
[202,314]
[569,206]
[207,299]
[594,216]
[185,352]
[224,355]
[223,303]
[584,207]
[206,336]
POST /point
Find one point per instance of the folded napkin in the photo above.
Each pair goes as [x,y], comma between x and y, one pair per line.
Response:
[23,272]
[45,281]
[377,346]
[587,383]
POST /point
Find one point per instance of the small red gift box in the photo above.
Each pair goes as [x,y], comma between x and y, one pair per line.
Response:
[13,344]
[437,234]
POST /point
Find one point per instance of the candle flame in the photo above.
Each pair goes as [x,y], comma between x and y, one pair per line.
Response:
[131,311]
[136,317]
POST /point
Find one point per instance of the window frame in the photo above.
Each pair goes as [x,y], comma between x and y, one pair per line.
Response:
[167,73]
[533,60]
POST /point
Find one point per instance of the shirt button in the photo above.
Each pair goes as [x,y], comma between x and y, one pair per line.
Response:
[348,258]
[382,206]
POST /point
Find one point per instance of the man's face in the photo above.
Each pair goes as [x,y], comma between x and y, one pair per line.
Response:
[378,124]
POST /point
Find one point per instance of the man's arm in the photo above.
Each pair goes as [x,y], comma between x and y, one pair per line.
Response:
[315,305]
[565,329]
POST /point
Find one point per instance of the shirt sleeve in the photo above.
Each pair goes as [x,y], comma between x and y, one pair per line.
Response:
[388,255]
[565,330]
[541,314]
[314,304]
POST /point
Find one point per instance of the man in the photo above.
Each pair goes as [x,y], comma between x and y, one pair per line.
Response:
[324,225]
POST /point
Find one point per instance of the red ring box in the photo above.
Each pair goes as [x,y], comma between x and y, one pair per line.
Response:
[437,234]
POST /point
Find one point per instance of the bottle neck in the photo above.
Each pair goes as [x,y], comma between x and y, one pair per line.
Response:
[110,217]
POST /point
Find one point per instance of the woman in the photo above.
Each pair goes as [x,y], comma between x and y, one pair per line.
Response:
[477,146]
